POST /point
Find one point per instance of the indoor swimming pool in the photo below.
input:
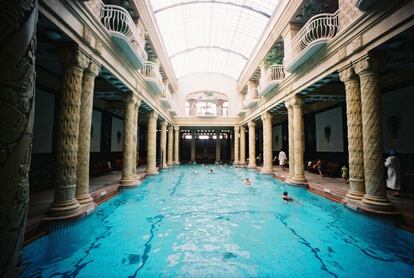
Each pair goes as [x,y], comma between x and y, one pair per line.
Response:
[181,224]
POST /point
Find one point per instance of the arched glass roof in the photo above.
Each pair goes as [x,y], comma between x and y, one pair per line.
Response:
[211,35]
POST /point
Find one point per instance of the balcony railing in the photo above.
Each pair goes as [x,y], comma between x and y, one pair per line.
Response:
[270,79]
[312,37]
[151,74]
[250,101]
[125,33]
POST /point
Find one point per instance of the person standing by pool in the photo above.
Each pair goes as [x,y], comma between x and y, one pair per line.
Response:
[393,175]
[282,159]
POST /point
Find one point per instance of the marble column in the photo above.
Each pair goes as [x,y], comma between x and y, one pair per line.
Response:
[376,195]
[84,139]
[298,137]
[354,121]
[17,98]
[252,144]
[218,146]
[267,144]
[152,143]
[163,142]
[291,140]
[242,145]
[128,177]
[135,141]
[170,160]
[176,144]
[236,144]
[64,203]
[193,154]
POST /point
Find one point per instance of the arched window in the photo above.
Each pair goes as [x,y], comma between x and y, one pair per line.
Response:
[206,104]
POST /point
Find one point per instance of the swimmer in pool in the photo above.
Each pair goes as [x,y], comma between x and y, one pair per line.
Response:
[195,172]
[247,182]
[211,171]
[286,197]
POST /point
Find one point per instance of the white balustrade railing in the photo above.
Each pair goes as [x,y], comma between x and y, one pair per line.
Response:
[152,70]
[319,27]
[118,19]
[273,73]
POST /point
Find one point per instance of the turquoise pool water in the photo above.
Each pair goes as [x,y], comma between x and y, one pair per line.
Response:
[178,224]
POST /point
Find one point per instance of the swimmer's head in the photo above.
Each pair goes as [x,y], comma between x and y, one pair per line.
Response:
[285,193]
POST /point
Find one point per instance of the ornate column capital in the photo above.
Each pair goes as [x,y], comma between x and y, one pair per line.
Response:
[73,56]
[164,124]
[296,101]
[236,128]
[130,98]
[177,128]
[366,65]
[288,105]
[153,115]
[347,74]
[266,115]
[251,124]
[93,68]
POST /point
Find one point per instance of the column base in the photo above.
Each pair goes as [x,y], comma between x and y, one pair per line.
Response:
[251,166]
[84,199]
[128,182]
[264,171]
[296,181]
[170,163]
[377,203]
[65,210]
[151,172]
[354,195]
[177,163]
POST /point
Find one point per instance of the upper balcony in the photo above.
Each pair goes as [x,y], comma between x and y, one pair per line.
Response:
[125,33]
[313,36]
[249,102]
[166,99]
[151,74]
[270,79]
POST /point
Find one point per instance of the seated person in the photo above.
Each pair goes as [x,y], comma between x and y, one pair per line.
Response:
[286,197]
[247,181]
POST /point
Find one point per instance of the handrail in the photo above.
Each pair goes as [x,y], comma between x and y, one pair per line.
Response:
[274,72]
[152,70]
[320,26]
[118,19]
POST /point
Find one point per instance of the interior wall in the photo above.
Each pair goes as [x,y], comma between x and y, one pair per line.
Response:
[96,131]
[397,118]
[207,82]
[43,122]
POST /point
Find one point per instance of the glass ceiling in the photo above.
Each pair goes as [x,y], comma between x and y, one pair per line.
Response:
[211,35]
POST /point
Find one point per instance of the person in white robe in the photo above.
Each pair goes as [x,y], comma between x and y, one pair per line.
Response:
[282,159]
[393,172]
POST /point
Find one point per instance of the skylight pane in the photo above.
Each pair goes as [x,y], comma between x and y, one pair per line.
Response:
[211,36]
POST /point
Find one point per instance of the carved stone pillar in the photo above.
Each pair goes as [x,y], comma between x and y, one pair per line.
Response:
[152,144]
[135,141]
[17,84]
[267,144]
[65,203]
[299,144]
[252,144]
[376,196]
[242,145]
[130,129]
[193,157]
[177,144]
[163,142]
[84,140]
[354,121]
[218,146]
[291,140]
[236,144]
[170,145]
